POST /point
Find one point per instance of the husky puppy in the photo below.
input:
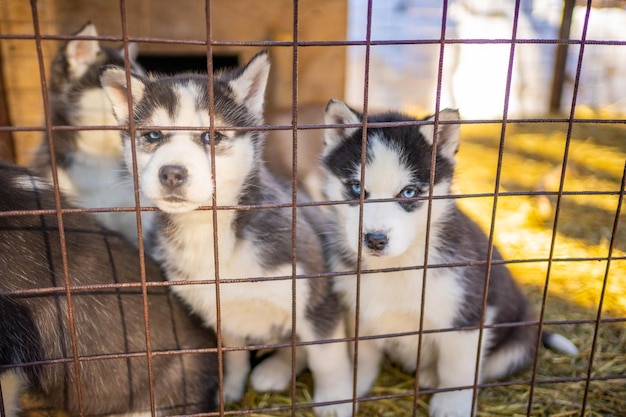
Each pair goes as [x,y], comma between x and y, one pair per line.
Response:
[397,168]
[107,322]
[89,162]
[175,173]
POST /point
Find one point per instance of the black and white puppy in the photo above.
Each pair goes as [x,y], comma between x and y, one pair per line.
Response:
[90,163]
[175,163]
[107,306]
[397,172]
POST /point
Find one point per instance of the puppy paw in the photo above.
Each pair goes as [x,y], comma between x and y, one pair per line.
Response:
[366,378]
[428,377]
[336,410]
[451,404]
[233,390]
[272,374]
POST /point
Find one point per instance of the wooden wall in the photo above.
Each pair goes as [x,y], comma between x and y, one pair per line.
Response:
[321,70]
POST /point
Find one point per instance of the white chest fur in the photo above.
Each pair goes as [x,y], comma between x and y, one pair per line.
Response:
[391,304]
[249,307]
[391,301]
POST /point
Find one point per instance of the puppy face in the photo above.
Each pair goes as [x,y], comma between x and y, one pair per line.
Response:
[78,99]
[173,138]
[397,174]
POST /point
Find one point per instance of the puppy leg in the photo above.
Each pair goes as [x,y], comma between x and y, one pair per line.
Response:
[370,355]
[331,368]
[405,353]
[274,373]
[428,377]
[456,367]
[237,368]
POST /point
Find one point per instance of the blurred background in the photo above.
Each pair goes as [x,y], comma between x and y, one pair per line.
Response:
[475,72]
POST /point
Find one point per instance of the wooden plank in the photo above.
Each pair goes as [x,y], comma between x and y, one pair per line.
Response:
[321,70]
[7,152]
[558,78]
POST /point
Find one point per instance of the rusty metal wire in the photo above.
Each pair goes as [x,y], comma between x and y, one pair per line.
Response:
[57,198]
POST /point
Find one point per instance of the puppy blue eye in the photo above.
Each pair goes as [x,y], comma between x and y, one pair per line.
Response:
[205,137]
[353,190]
[153,136]
[408,192]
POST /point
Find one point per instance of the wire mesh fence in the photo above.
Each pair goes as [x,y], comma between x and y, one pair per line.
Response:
[548,190]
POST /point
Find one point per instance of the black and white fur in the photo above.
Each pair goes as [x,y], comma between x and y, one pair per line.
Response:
[398,166]
[175,174]
[35,323]
[89,162]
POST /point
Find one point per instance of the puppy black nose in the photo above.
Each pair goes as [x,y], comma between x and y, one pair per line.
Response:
[376,241]
[173,176]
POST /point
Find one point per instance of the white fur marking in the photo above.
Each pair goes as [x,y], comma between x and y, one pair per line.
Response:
[451,404]
[561,344]
[95,109]
[28,183]
[274,373]
[13,385]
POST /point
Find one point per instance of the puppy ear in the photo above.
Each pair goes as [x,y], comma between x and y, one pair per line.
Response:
[133,51]
[81,53]
[339,113]
[250,82]
[113,81]
[447,134]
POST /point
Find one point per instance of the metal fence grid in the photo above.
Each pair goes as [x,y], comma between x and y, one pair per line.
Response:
[296,45]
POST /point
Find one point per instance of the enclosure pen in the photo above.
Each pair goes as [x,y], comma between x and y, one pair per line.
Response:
[547,188]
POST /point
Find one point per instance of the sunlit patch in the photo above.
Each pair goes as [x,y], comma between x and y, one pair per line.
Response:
[532,163]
